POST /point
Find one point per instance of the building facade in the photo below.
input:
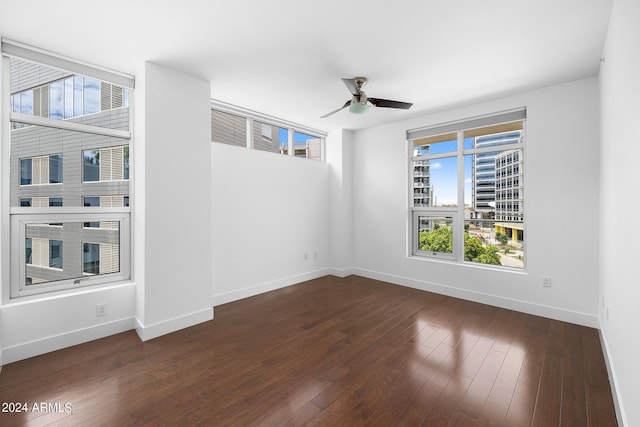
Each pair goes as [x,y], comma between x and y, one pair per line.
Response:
[59,167]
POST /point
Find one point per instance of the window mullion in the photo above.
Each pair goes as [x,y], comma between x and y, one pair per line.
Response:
[459,219]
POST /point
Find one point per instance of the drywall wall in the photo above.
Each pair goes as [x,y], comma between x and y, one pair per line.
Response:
[620,204]
[339,152]
[33,326]
[561,198]
[175,202]
[268,211]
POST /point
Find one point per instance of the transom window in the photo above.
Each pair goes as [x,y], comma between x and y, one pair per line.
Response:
[233,125]
[466,190]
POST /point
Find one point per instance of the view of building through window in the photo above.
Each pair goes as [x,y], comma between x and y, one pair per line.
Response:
[231,129]
[468,195]
[54,165]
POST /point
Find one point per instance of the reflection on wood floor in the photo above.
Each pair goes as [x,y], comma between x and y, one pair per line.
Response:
[328,352]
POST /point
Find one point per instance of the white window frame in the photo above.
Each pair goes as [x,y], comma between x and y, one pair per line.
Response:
[456,213]
[265,119]
[42,216]
[14,219]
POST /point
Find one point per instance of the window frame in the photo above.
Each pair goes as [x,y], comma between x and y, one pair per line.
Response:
[458,213]
[19,288]
[251,116]
[14,218]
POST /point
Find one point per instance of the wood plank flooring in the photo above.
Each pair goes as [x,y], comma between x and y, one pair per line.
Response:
[328,352]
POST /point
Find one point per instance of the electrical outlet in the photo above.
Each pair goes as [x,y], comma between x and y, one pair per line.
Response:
[101,310]
[306,257]
[546,282]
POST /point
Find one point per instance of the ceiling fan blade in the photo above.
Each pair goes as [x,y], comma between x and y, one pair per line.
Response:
[351,85]
[335,111]
[379,102]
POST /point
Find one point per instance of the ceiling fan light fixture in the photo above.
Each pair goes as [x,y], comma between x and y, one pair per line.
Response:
[358,108]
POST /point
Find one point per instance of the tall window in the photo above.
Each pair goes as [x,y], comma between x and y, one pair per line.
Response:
[69,136]
[467,190]
[244,128]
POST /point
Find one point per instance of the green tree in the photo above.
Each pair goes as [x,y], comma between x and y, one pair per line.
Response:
[473,247]
[489,256]
[440,239]
[502,238]
[437,240]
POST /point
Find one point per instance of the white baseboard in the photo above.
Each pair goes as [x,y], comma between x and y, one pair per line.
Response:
[250,291]
[147,332]
[617,401]
[341,272]
[68,339]
[555,313]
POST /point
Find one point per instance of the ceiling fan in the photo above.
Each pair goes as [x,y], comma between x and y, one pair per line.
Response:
[360,103]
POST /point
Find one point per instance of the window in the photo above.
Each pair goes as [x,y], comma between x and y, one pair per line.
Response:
[233,125]
[69,136]
[106,164]
[26,172]
[55,254]
[91,253]
[41,170]
[466,189]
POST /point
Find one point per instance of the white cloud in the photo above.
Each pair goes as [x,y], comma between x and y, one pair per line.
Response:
[436,165]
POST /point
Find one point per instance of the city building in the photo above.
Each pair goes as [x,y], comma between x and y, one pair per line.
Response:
[55,167]
[483,174]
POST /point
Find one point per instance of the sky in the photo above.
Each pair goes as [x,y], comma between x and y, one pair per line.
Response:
[443,173]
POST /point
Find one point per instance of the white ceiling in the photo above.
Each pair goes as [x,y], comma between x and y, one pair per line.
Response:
[285,58]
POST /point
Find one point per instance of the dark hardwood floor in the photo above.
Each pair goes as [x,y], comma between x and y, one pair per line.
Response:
[328,352]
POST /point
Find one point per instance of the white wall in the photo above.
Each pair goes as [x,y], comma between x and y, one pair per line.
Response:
[620,205]
[174,199]
[561,196]
[339,157]
[268,211]
[38,325]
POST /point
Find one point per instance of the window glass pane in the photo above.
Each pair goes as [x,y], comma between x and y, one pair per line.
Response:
[26,102]
[91,261]
[68,98]
[438,144]
[70,251]
[78,94]
[28,250]
[266,137]
[228,128]
[31,153]
[25,202]
[307,146]
[15,103]
[435,234]
[25,171]
[495,223]
[91,201]
[494,242]
[55,201]
[55,100]
[435,182]
[91,99]
[55,253]
[64,96]
[91,165]
[55,169]
[125,165]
